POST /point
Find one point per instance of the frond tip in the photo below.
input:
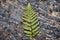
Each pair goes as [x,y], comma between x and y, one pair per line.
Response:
[30,21]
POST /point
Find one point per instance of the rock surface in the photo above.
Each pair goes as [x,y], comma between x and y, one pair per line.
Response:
[11,12]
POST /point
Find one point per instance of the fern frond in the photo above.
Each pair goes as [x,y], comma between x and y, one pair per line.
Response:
[30,21]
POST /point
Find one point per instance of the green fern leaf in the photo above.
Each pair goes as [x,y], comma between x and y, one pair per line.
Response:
[30,21]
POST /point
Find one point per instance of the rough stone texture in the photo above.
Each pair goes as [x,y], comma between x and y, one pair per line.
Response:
[48,13]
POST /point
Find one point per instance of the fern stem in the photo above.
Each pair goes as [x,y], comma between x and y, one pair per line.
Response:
[32,38]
